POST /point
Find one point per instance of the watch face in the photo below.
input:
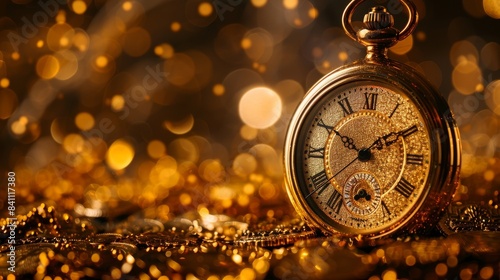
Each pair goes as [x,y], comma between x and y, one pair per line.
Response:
[362,158]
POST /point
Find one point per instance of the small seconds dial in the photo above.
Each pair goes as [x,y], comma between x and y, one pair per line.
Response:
[362,195]
[366,155]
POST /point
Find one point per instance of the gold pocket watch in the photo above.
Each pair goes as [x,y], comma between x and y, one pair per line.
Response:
[373,149]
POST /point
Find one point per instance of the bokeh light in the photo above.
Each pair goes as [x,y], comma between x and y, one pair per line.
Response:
[180,127]
[218,89]
[492,8]
[205,9]
[258,45]
[68,64]
[101,61]
[260,107]
[60,36]
[290,4]
[79,6]
[244,164]
[181,69]
[84,121]
[47,67]
[120,154]
[463,50]
[73,143]
[127,5]
[404,46]
[164,50]
[466,77]
[175,26]
[117,103]
[156,149]
[4,82]
[259,3]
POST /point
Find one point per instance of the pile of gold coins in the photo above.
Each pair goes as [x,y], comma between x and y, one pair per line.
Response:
[145,139]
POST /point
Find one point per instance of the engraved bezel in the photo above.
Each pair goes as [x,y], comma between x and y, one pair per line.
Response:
[445,146]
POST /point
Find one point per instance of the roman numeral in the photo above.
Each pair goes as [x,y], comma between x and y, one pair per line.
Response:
[316,153]
[346,106]
[335,201]
[409,131]
[405,188]
[394,110]
[370,101]
[323,125]
[320,182]
[385,210]
[415,159]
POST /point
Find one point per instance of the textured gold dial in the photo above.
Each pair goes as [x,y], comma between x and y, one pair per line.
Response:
[366,156]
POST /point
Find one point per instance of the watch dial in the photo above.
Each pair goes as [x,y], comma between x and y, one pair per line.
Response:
[365,157]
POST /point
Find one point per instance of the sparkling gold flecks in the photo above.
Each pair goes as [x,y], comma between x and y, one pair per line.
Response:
[284,234]
[470,217]
[203,246]
[172,250]
[320,259]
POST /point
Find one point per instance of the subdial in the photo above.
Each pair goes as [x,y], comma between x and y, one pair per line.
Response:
[362,194]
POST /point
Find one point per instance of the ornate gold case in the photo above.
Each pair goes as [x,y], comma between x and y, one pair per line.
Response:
[391,153]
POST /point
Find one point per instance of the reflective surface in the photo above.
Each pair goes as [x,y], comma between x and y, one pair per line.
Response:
[217,247]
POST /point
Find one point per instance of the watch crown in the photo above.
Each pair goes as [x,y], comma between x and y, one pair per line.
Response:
[379,33]
[378,18]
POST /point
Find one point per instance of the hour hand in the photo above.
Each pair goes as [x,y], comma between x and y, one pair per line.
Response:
[385,141]
[348,141]
[392,137]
